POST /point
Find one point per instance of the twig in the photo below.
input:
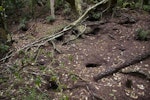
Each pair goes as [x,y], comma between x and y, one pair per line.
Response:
[37,54]
[54,46]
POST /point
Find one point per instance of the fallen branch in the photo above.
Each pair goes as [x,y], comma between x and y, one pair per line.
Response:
[123,65]
[38,43]
[46,39]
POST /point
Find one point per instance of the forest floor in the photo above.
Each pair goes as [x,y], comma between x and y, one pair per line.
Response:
[68,75]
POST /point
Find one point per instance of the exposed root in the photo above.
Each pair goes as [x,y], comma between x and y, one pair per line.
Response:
[127,63]
[137,72]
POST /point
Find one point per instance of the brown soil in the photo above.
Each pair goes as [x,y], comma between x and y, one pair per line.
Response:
[84,58]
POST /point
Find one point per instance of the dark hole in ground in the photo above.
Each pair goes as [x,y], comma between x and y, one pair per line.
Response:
[122,49]
[24,28]
[92,65]
[61,38]
[52,85]
[95,31]
[129,83]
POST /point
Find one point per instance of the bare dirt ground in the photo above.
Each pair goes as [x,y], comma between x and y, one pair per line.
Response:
[69,75]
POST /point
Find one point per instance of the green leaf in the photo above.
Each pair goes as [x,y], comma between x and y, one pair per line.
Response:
[1,8]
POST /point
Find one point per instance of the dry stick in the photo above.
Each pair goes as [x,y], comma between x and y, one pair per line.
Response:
[123,65]
[42,41]
[55,48]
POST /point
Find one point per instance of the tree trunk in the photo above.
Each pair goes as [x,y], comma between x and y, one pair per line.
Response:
[52,2]
[3,40]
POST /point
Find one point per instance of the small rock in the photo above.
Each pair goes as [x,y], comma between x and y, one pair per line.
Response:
[141,87]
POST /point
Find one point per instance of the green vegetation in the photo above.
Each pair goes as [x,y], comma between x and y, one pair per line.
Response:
[4,49]
[23,24]
[9,7]
[140,4]
[33,94]
[50,19]
[143,35]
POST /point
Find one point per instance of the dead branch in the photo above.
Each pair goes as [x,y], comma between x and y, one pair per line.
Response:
[123,65]
[46,39]
[38,43]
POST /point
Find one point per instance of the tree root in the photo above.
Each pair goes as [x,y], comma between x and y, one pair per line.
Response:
[137,72]
[123,65]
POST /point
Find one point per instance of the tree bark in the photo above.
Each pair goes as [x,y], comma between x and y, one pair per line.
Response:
[52,2]
[123,65]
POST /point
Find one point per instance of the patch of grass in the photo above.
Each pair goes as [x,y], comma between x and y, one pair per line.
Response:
[23,24]
[38,81]
[50,19]
[49,54]
[142,34]
[74,77]
[42,67]
[4,48]
[70,57]
[34,95]
[146,7]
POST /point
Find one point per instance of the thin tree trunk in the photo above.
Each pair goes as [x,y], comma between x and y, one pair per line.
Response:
[52,2]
